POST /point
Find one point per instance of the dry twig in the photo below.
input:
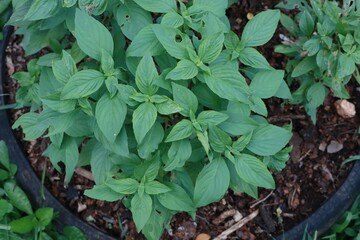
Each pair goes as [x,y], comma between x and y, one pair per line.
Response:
[237,225]
[261,200]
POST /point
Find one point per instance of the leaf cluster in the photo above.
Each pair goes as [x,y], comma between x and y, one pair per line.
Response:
[167,109]
[17,218]
[348,227]
[324,49]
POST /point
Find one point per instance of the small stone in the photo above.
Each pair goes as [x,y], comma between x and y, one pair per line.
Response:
[249,16]
[203,236]
[334,147]
[81,207]
[238,216]
[345,109]
[322,146]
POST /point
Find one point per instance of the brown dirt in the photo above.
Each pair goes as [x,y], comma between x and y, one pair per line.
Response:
[310,177]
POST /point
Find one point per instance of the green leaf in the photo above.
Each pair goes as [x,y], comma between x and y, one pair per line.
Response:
[101,163]
[92,37]
[306,23]
[177,199]
[74,233]
[216,7]
[253,171]
[211,183]
[181,130]
[123,186]
[268,140]
[42,9]
[103,193]
[204,140]
[227,83]
[289,24]
[185,98]
[5,208]
[266,83]
[172,19]
[346,65]
[160,6]
[107,63]
[312,46]
[17,197]
[185,69]
[69,3]
[260,28]
[173,40]
[258,106]
[207,118]
[145,42]
[126,91]
[278,161]
[239,185]
[57,122]
[219,140]
[168,107]
[111,84]
[110,114]
[23,225]
[45,216]
[251,57]
[305,66]
[242,142]
[83,84]
[71,152]
[4,155]
[283,91]
[178,154]
[210,47]
[151,141]
[65,68]
[141,208]
[143,119]
[31,126]
[145,75]
[132,18]
[316,95]
[157,222]
[54,102]
[206,97]
[155,188]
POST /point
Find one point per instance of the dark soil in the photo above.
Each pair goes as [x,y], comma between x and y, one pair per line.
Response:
[310,177]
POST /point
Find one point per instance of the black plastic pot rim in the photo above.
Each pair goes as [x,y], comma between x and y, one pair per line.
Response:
[321,220]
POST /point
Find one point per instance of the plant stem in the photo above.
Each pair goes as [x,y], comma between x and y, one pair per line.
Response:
[42,181]
[5,227]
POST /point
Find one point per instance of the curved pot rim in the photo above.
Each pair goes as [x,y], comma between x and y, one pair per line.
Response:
[321,220]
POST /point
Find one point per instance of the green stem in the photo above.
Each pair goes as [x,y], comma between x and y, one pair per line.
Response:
[42,181]
[5,227]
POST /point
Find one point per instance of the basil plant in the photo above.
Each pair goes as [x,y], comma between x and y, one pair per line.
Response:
[160,98]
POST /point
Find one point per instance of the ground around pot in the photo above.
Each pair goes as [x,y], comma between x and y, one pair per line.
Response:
[312,174]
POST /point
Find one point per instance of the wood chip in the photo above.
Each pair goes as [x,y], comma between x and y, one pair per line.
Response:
[223,216]
[322,146]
